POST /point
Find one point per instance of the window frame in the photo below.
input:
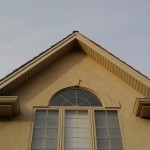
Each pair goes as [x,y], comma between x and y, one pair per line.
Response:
[61,123]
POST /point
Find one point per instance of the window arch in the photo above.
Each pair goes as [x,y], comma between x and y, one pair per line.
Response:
[75,96]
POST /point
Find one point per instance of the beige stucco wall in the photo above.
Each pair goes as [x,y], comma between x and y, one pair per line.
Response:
[15,132]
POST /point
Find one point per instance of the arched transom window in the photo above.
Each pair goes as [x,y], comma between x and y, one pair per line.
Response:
[75,96]
[81,124]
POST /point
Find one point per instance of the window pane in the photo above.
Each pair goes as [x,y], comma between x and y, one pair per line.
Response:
[67,103]
[52,123]
[57,101]
[83,102]
[70,114]
[94,101]
[83,144]
[84,140]
[72,101]
[82,93]
[82,123]
[40,123]
[51,143]
[71,122]
[71,132]
[102,133]
[100,115]
[83,132]
[38,133]
[111,114]
[52,115]
[69,93]
[116,144]
[40,114]
[82,114]
[101,123]
[103,144]
[71,143]
[51,133]
[113,133]
[113,123]
[37,143]
[77,143]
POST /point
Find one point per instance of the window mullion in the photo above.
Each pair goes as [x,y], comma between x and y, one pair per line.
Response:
[61,126]
[45,130]
[59,131]
[107,128]
[93,136]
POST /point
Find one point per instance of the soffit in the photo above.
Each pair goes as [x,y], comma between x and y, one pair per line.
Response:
[113,64]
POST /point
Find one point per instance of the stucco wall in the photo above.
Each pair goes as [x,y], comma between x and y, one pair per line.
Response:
[15,132]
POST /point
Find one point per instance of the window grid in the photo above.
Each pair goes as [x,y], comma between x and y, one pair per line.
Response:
[113,138]
[108,129]
[92,125]
[77,122]
[42,142]
[75,96]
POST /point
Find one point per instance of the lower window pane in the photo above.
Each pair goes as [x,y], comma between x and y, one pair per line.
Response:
[51,143]
[38,133]
[114,133]
[116,144]
[51,132]
[101,123]
[102,133]
[102,143]
[37,144]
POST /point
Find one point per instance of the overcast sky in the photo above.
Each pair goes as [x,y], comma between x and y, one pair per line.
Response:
[28,27]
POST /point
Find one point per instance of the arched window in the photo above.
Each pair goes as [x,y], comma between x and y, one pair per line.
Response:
[74,96]
[87,126]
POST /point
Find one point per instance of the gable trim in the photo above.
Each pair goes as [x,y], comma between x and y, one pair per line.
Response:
[110,62]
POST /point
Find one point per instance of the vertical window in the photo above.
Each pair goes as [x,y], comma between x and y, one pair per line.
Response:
[45,132]
[77,130]
[108,134]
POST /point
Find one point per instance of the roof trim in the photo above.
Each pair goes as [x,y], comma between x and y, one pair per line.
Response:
[109,61]
[53,47]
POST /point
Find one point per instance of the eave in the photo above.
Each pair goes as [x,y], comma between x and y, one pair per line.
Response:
[110,62]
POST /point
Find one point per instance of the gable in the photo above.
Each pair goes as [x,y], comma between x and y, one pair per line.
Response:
[75,40]
[66,72]
[32,87]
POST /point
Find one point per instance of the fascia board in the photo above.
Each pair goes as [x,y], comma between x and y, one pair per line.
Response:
[36,61]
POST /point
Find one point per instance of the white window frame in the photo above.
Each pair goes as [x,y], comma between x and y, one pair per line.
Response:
[62,109]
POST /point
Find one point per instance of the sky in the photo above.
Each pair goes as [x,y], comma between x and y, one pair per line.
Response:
[28,27]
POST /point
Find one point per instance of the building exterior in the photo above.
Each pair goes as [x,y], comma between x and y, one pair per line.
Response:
[75,95]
